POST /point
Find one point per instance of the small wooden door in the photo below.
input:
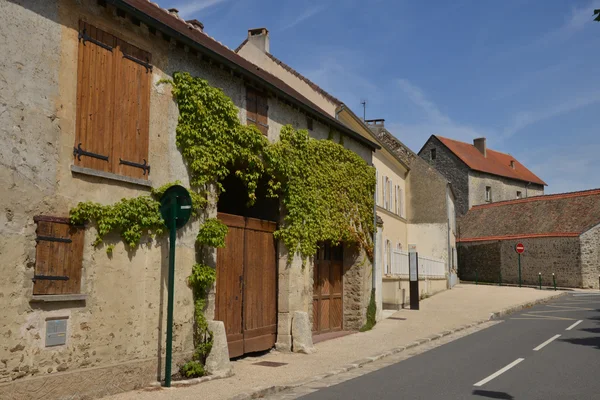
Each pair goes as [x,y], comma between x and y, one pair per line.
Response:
[246,297]
[328,289]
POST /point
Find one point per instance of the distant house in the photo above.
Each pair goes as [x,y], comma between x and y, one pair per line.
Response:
[480,175]
[561,235]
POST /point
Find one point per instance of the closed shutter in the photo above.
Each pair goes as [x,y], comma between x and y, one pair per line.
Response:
[95,98]
[113,104]
[59,256]
[257,110]
[131,129]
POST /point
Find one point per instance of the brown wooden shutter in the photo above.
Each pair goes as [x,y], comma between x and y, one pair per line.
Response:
[131,127]
[257,110]
[113,104]
[95,98]
[59,256]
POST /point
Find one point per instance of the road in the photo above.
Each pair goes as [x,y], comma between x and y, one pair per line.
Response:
[550,351]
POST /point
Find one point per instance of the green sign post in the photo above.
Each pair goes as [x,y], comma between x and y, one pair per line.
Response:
[175,209]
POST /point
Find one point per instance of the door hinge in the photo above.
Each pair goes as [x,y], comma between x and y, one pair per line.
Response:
[49,278]
[144,166]
[145,64]
[78,152]
[83,35]
[52,239]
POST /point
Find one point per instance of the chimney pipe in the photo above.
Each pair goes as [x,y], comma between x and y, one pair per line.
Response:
[259,37]
[196,24]
[479,144]
[174,11]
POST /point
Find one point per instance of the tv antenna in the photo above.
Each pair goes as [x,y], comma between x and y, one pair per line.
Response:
[364,104]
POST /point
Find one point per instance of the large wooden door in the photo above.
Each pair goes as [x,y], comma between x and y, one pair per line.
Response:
[328,289]
[246,297]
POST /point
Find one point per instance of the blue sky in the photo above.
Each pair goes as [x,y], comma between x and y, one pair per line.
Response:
[524,74]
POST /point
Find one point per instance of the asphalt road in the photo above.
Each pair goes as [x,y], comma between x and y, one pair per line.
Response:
[521,358]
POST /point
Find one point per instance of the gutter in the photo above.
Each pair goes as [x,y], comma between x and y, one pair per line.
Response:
[245,72]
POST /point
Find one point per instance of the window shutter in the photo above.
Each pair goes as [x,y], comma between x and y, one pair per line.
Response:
[376,187]
[95,98]
[59,256]
[132,111]
[257,110]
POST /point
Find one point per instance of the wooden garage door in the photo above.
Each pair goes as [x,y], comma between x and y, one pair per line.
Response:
[246,297]
[327,289]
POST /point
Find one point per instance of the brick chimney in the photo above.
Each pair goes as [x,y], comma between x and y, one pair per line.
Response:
[479,144]
[196,24]
[376,122]
[174,11]
[260,38]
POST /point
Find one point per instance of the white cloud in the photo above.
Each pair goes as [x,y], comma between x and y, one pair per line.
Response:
[304,16]
[525,118]
[188,8]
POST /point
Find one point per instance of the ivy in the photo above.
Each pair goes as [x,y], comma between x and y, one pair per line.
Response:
[212,233]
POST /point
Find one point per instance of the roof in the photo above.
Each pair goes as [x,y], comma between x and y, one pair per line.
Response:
[496,163]
[157,17]
[555,215]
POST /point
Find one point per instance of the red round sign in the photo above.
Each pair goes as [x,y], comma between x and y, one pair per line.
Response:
[520,248]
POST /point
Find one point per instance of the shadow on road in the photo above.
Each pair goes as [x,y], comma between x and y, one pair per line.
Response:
[493,395]
[592,342]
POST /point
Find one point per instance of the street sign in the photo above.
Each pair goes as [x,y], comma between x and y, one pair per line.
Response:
[180,197]
[413,284]
[520,248]
[175,209]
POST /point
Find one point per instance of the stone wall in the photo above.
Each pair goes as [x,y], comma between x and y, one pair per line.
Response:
[121,324]
[357,283]
[590,257]
[502,188]
[560,256]
[452,168]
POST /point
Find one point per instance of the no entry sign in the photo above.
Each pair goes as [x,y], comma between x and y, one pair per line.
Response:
[520,248]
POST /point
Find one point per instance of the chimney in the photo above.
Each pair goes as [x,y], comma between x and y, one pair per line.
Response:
[512,164]
[376,122]
[196,24]
[479,144]
[260,38]
[174,12]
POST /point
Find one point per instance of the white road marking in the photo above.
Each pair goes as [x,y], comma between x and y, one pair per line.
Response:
[586,294]
[574,325]
[546,342]
[498,373]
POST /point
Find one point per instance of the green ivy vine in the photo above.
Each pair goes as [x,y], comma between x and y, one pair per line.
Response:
[325,189]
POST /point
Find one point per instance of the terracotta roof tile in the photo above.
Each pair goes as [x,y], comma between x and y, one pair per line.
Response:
[551,215]
[495,163]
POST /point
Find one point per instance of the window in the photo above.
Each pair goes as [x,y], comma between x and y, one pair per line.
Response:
[388,257]
[488,193]
[401,202]
[390,195]
[512,164]
[433,154]
[113,104]
[309,123]
[58,256]
[399,246]
[386,201]
[257,110]
[519,195]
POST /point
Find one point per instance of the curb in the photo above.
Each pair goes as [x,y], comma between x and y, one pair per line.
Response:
[271,390]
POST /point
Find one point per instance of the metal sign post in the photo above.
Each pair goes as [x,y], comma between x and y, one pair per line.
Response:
[519,248]
[175,209]
[413,269]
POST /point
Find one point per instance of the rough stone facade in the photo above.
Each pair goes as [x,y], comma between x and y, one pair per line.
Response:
[119,329]
[502,188]
[590,258]
[560,255]
[452,168]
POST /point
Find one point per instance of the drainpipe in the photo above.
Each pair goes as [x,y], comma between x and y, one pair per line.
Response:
[374,263]
[449,245]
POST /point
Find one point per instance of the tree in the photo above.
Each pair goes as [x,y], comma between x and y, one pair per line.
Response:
[597,14]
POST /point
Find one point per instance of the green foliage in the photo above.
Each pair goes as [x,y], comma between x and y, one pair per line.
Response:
[212,140]
[371,314]
[131,218]
[326,189]
[192,369]
[212,233]
[201,280]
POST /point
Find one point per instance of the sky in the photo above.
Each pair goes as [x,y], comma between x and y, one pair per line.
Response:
[525,74]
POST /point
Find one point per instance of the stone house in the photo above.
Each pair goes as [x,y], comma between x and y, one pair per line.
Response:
[480,175]
[560,232]
[393,171]
[74,321]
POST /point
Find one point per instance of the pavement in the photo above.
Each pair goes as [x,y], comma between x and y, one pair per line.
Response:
[439,316]
[549,351]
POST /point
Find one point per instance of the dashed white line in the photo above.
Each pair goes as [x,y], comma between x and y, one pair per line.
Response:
[574,325]
[498,373]
[546,342]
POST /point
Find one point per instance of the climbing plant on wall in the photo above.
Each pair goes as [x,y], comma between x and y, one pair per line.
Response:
[326,190]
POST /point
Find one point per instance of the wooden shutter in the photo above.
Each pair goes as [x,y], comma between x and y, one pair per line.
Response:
[132,112]
[113,104]
[95,98]
[59,256]
[257,110]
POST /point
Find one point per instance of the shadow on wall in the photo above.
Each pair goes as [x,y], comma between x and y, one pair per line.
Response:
[492,395]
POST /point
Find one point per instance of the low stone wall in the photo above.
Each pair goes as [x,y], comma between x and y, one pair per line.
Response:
[396,290]
[485,261]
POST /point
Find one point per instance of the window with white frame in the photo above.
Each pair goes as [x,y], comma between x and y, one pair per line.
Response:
[401,199]
[488,193]
[388,257]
